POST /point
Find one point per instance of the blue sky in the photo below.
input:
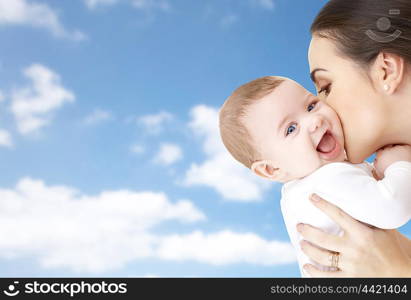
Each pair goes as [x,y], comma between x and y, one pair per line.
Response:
[112,163]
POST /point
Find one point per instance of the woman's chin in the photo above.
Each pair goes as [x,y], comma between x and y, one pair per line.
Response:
[356,154]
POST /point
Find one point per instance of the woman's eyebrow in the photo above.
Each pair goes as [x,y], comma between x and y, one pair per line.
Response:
[312,75]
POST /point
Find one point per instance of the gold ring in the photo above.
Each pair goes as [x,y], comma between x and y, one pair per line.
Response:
[335,256]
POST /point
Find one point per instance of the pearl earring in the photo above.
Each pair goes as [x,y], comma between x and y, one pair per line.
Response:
[386,87]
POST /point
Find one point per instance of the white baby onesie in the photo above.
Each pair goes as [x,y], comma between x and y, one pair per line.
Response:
[382,203]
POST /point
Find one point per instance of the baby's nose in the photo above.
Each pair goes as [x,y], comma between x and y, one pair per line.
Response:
[317,122]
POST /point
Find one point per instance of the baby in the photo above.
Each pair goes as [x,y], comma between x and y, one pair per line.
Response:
[283,133]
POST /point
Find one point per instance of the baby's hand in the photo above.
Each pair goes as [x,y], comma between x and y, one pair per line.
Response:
[389,155]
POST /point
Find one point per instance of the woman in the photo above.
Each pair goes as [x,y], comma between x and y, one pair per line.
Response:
[360,62]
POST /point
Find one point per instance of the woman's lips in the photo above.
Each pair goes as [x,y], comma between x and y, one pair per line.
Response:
[328,147]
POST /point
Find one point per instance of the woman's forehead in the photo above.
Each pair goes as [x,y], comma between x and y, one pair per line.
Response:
[321,52]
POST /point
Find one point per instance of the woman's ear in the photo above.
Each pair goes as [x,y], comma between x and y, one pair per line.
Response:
[267,170]
[388,72]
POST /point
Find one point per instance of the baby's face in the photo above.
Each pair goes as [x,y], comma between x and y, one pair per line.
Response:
[294,130]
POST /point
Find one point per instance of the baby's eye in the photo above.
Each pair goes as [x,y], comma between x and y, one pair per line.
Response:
[311,106]
[290,129]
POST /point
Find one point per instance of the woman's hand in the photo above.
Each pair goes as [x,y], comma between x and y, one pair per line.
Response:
[363,251]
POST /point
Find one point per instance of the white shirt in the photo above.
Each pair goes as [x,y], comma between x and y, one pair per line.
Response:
[382,203]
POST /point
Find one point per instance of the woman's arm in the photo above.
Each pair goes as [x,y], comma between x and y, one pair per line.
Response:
[363,251]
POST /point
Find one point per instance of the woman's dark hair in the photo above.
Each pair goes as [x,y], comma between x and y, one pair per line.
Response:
[361,29]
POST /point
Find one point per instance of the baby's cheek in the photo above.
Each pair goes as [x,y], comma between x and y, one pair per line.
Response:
[308,163]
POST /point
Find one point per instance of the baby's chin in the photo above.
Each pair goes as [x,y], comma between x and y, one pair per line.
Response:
[308,170]
[318,160]
[301,174]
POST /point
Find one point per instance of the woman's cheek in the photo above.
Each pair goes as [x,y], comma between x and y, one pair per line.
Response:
[349,116]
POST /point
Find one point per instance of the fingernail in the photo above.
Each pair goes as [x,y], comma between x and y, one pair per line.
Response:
[315,198]
[300,227]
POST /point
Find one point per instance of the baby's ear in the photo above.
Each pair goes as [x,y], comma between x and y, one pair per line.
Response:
[267,170]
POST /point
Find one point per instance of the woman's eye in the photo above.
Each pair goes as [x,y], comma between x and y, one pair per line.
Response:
[290,129]
[326,90]
[311,106]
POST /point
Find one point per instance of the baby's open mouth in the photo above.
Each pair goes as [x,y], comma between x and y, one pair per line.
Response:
[328,147]
[327,143]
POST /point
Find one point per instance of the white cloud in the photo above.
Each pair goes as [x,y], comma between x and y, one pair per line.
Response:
[220,171]
[64,229]
[23,12]
[97,116]
[228,20]
[225,247]
[2,97]
[60,227]
[34,104]
[267,4]
[137,148]
[154,123]
[168,154]
[151,276]
[5,139]
[94,3]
